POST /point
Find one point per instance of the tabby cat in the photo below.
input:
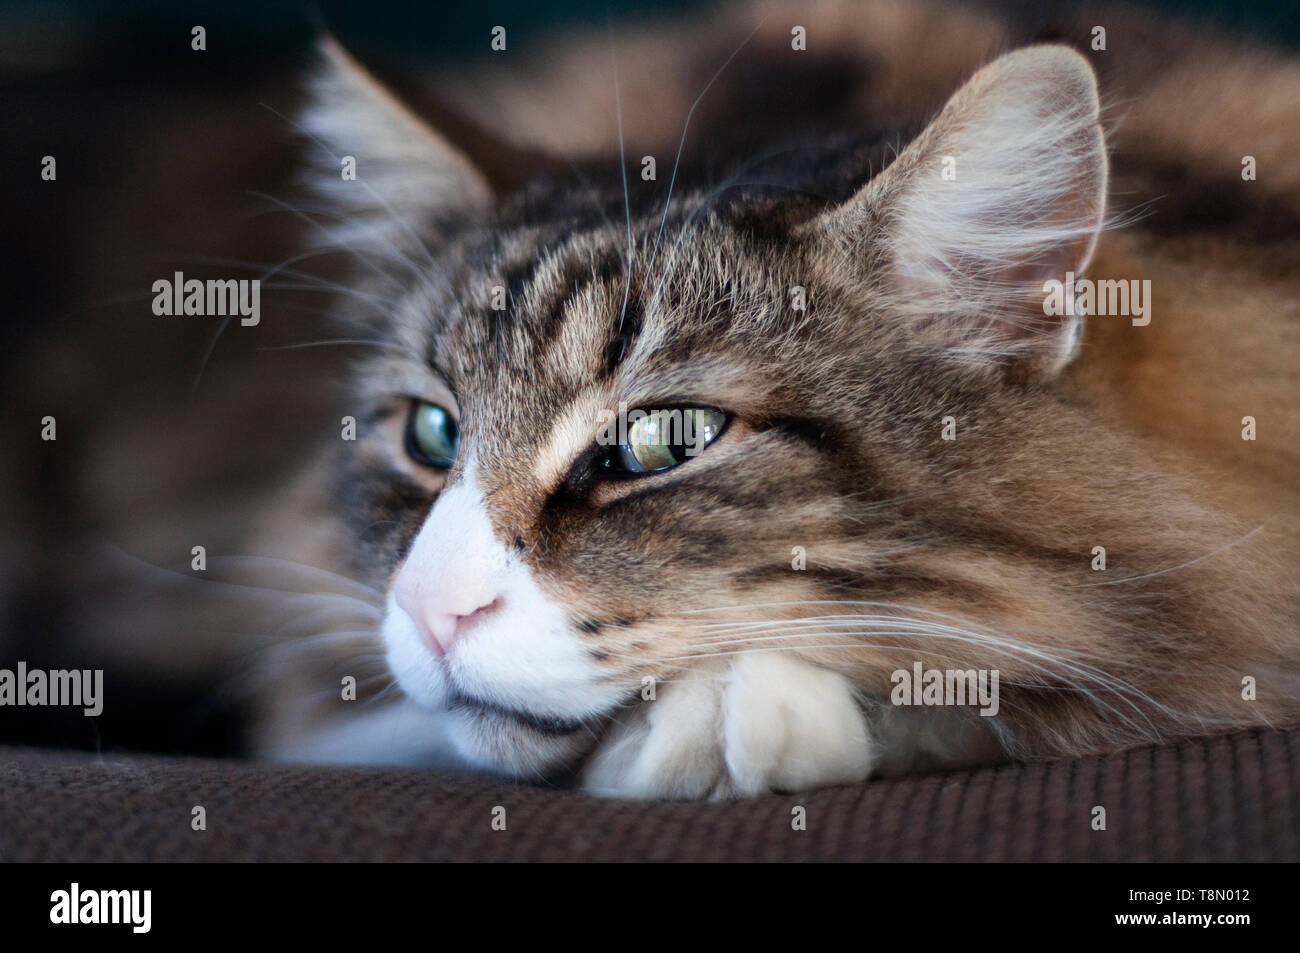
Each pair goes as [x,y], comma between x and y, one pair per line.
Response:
[705,383]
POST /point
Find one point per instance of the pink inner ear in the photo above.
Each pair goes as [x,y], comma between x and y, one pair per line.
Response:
[1004,191]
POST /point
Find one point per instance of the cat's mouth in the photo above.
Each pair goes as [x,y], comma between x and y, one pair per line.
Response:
[553,727]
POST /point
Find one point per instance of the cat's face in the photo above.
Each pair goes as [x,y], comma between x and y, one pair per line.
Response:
[552,560]
[570,553]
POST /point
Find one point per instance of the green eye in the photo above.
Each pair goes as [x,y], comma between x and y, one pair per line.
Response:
[431,435]
[658,440]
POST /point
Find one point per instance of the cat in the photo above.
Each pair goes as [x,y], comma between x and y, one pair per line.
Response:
[895,459]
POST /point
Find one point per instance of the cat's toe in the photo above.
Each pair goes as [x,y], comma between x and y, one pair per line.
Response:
[789,725]
[666,748]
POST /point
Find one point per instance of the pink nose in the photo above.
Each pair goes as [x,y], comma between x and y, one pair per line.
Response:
[442,623]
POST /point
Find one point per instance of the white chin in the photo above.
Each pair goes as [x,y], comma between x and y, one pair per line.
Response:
[496,743]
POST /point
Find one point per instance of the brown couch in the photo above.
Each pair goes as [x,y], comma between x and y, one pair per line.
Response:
[1235,797]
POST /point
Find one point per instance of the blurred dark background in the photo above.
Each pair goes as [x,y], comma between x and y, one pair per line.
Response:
[166,161]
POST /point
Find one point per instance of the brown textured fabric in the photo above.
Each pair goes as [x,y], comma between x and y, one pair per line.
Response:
[1230,798]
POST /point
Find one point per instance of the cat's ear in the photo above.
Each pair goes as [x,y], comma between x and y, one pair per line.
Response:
[384,173]
[1003,192]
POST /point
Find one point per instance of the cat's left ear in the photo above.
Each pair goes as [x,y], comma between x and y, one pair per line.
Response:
[1003,192]
[385,173]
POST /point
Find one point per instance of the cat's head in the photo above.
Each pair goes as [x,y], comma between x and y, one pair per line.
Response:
[546,549]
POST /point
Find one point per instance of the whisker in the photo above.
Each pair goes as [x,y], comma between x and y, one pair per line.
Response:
[1161,572]
[1025,651]
[336,342]
[686,124]
[433,264]
[622,161]
[316,282]
[304,569]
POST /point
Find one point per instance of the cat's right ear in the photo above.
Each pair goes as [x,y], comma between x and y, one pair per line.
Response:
[1003,193]
[386,175]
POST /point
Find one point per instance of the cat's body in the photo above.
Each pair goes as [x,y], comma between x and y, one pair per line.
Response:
[767,591]
[836,534]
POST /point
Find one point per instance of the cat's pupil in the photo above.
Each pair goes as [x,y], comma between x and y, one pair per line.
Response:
[431,435]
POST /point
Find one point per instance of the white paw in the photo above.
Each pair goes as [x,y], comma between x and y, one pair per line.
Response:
[666,748]
[765,722]
[791,726]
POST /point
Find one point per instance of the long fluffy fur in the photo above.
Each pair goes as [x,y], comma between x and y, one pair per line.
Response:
[973,553]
